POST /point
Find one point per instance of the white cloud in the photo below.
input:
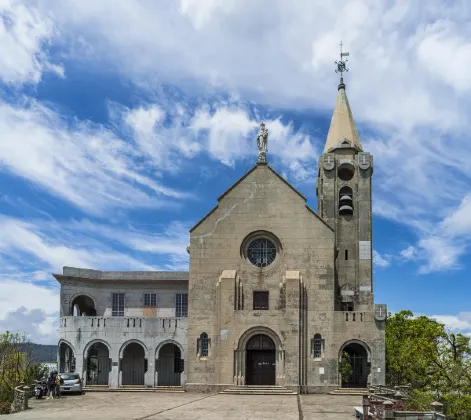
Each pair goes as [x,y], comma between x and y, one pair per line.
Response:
[86,164]
[441,247]
[408,84]
[24,31]
[51,247]
[382,261]
[29,308]
[460,323]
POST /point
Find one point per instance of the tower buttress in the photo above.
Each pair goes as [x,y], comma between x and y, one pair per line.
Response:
[344,202]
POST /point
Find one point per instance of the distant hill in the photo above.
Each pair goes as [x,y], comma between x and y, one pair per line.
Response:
[43,353]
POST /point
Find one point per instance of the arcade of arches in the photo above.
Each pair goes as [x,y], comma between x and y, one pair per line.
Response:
[258,363]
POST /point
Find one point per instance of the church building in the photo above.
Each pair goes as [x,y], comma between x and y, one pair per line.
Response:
[277,295]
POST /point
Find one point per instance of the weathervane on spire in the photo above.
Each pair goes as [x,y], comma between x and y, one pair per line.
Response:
[342,64]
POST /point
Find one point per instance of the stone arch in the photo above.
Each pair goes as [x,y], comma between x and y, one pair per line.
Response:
[170,341]
[97,366]
[359,357]
[124,345]
[244,338]
[169,363]
[134,358]
[62,341]
[89,308]
[241,354]
[67,356]
[92,342]
[359,342]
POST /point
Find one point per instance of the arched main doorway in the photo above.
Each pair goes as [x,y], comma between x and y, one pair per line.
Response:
[169,365]
[66,358]
[83,305]
[261,361]
[98,364]
[133,365]
[357,356]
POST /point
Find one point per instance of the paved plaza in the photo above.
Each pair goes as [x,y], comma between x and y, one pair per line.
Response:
[179,406]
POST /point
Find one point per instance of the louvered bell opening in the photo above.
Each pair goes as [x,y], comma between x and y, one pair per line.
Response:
[347,198]
[346,210]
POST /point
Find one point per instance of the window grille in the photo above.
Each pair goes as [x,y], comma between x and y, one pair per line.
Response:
[317,346]
[260,300]
[150,299]
[181,305]
[204,345]
[117,308]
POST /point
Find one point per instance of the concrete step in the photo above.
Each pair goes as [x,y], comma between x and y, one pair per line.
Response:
[258,390]
[129,388]
[349,391]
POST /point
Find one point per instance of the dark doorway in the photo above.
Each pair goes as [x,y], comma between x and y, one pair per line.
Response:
[358,359]
[261,361]
[169,365]
[98,365]
[66,359]
[133,365]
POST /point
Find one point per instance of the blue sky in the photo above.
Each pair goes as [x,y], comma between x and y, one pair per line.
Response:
[122,122]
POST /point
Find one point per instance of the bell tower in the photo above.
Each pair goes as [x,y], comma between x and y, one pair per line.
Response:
[344,202]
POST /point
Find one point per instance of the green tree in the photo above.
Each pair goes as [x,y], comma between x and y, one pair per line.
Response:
[16,364]
[434,361]
[345,367]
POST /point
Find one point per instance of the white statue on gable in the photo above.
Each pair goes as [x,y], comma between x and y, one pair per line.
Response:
[262,143]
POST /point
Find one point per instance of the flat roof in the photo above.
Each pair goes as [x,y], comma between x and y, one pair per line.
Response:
[85,273]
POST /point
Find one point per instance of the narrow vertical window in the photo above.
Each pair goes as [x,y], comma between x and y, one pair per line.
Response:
[117,304]
[204,345]
[346,254]
[317,346]
[181,305]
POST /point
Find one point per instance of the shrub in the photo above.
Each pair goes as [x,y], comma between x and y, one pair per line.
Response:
[5,407]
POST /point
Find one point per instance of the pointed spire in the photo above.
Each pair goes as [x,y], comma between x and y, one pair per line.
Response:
[342,126]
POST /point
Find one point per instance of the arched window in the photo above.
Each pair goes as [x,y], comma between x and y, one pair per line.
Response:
[345,201]
[317,346]
[204,345]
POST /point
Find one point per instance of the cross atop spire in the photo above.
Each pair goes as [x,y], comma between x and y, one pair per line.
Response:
[342,64]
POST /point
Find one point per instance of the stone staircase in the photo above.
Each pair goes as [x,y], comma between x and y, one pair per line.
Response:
[349,391]
[132,388]
[258,390]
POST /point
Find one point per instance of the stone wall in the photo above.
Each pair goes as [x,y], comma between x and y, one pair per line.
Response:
[21,395]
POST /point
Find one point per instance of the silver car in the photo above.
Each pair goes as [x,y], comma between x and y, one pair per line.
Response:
[71,383]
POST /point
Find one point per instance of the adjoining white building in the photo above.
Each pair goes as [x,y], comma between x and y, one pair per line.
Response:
[124,328]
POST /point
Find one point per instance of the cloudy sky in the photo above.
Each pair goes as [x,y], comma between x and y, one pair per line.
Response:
[122,121]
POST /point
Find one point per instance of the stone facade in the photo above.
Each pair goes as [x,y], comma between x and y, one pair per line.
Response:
[277,294]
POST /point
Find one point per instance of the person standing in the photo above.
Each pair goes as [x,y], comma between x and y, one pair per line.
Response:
[51,386]
[58,385]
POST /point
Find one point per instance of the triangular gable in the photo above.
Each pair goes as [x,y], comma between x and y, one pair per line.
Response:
[245,176]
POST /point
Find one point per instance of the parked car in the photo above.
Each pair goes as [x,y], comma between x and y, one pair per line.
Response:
[72,383]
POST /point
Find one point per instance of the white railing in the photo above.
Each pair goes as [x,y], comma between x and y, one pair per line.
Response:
[86,323]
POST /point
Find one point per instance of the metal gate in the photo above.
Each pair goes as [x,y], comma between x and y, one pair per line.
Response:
[133,365]
[169,366]
[98,365]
